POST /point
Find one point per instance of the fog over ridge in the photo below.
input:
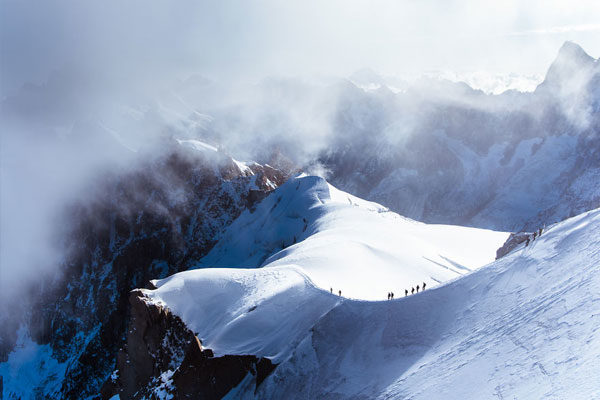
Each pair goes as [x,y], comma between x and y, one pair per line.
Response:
[89,87]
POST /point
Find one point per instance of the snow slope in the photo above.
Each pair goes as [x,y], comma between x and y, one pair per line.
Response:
[525,326]
[342,241]
[348,244]
[31,371]
[264,311]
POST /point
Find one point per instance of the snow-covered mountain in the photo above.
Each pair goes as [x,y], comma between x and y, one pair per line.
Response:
[442,152]
[437,151]
[253,272]
[349,244]
[522,326]
[525,326]
[492,83]
[305,231]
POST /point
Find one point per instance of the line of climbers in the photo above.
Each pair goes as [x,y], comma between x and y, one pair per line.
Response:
[537,233]
[391,294]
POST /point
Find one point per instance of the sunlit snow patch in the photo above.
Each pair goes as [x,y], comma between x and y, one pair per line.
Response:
[349,244]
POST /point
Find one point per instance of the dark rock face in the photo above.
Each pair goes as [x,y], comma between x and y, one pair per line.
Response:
[514,239]
[147,223]
[163,356]
[201,376]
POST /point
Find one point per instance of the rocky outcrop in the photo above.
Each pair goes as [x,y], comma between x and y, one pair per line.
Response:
[514,239]
[163,357]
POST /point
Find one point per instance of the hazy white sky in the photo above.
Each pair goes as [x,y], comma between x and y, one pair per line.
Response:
[248,39]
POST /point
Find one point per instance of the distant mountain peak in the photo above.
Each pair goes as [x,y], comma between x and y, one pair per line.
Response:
[367,77]
[574,53]
[570,62]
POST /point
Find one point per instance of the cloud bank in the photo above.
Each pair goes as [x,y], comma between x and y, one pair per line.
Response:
[76,73]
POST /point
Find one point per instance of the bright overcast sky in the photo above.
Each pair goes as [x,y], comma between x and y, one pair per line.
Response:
[250,39]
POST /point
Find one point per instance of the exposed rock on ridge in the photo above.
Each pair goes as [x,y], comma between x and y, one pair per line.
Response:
[511,243]
[147,223]
[163,356]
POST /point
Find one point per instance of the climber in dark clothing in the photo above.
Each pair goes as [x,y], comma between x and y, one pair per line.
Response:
[389,295]
[423,285]
[417,288]
[331,290]
[405,292]
[540,232]
[392,295]
[527,242]
[412,291]
[534,235]
[340,292]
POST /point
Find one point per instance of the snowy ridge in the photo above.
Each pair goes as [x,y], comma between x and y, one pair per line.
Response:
[239,305]
[349,244]
[209,149]
[360,246]
[525,326]
[488,82]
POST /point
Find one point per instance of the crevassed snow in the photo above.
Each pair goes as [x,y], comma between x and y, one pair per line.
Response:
[349,244]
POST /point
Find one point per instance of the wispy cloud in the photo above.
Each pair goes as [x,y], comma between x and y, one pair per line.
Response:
[558,30]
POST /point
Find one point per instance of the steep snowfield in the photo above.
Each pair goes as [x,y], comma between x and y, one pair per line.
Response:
[525,326]
[348,244]
[31,371]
